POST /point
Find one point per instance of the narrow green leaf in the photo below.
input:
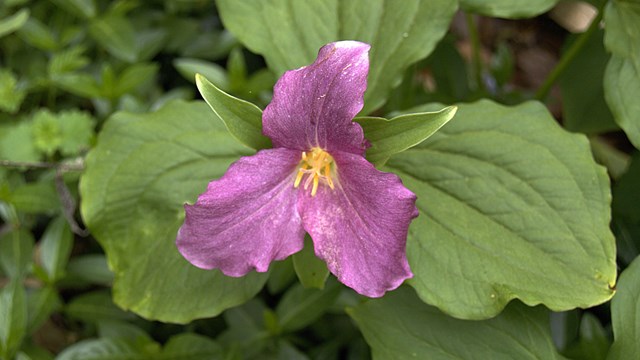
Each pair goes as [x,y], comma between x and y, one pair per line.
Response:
[242,118]
[80,84]
[288,33]
[593,343]
[13,318]
[116,35]
[622,76]
[118,329]
[300,307]
[38,34]
[511,206]
[16,249]
[36,197]
[213,72]
[510,9]
[145,167]
[55,247]
[626,213]
[13,22]
[281,275]
[400,326]
[625,314]
[389,137]
[91,268]
[312,272]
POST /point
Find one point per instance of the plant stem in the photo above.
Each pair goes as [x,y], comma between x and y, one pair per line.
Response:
[567,58]
[476,61]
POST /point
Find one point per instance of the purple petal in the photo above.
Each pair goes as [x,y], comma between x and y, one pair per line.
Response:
[360,227]
[247,218]
[314,106]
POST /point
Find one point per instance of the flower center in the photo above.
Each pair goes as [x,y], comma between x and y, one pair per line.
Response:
[316,164]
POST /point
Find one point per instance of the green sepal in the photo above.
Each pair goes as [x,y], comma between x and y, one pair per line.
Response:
[242,118]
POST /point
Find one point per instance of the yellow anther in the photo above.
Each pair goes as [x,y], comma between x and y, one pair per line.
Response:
[317,165]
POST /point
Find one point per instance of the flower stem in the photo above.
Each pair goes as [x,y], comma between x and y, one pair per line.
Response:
[476,61]
[567,58]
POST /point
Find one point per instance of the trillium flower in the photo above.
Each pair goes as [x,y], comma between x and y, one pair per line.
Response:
[315,179]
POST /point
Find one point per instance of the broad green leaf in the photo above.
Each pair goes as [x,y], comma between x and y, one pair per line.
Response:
[107,349]
[300,307]
[242,118]
[188,346]
[625,314]
[96,306]
[14,22]
[83,8]
[213,72]
[510,9]
[583,106]
[312,272]
[13,318]
[137,179]
[40,304]
[622,76]
[55,248]
[116,35]
[511,206]
[400,326]
[289,33]
[11,95]
[388,137]
[16,249]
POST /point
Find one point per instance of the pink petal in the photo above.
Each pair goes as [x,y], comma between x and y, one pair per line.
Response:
[247,218]
[314,106]
[360,227]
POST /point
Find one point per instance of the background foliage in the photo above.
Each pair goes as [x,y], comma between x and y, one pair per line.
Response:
[527,187]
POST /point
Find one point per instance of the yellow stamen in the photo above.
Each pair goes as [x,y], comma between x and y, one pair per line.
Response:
[317,165]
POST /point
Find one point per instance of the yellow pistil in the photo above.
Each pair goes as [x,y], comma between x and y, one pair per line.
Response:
[317,165]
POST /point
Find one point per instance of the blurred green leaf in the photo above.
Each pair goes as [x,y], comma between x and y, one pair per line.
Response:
[82,8]
[96,306]
[36,197]
[281,275]
[188,346]
[16,250]
[14,22]
[625,312]
[593,343]
[11,95]
[108,349]
[389,137]
[92,268]
[80,84]
[13,318]
[622,76]
[300,307]
[16,143]
[510,9]
[118,329]
[67,60]
[116,35]
[37,34]
[506,196]
[289,33]
[584,108]
[146,167]
[40,304]
[400,326]
[626,213]
[211,71]
[47,132]
[242,119]
[134,76]
[55,248]
[311,271]
[76,131]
